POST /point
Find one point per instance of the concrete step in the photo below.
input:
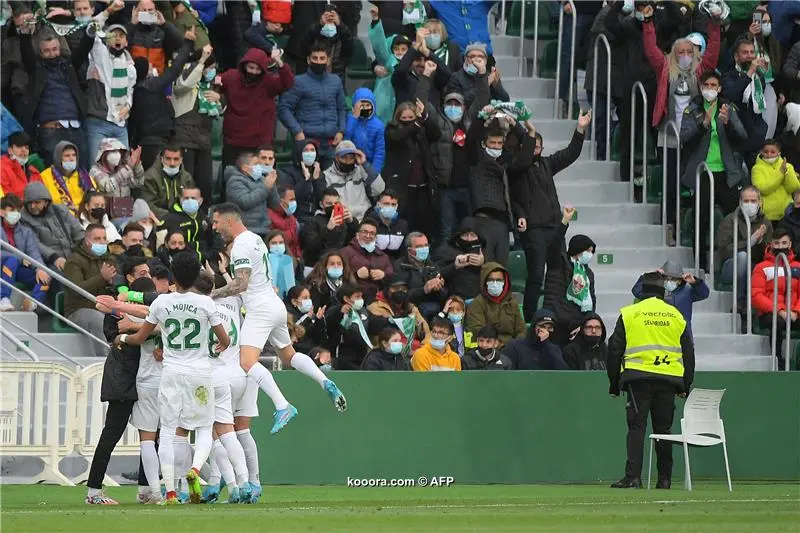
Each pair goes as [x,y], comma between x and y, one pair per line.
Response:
[610,302]
[509,66]
[526,87]
[552,128]
[641,257]
[27,321]
[718,362]
[612,215]
[503,45]
[731,344]
[587,170]
[541,108]
[647,235]
[702,323]
[559,144]
[584,192]
[73,344]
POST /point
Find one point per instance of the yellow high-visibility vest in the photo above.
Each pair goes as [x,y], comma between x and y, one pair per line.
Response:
[653,331]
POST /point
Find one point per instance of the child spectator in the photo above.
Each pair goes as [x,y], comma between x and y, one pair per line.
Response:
[366,129]
[15,172]
[309,323]
[487,355]
[349,328]
[776,179]
[281,264]
[436,354]
[329,274]
[388,353]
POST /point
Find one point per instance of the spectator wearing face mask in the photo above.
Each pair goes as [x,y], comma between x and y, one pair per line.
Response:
[465,80]
[588,350]
[441,45]
[487,355]
[308,320]
[250,95]
[174,243]
[388,352]
[392,308]
[164,181]
[769,51]
[65,179]
[389,51]
[537,350]
[307,177]
[392,230]
[329,274]
[334,36]
[569,288]
[282,218]
[151,36]
[413,66]
[146,219]
[117,171]
[681,290]
[426,288]
[327,231]
[365,129]
[776,179]
[93,211]
[281,262]
[460,259]
[370,265]
[354,178]
[495,306]
[313,109]
[349,328]
[454,311]
[745,85]
[56,229]
[435,354]
[248,186]
[189,220]
[15,172]
[14,269]
[466,22]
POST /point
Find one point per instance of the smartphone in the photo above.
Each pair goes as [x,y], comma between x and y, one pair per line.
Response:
[757,17]
[338,210]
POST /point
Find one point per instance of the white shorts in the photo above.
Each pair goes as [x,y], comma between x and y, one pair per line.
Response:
[268,325]
[223,411]
[244,396]
[144,416]
[186,401]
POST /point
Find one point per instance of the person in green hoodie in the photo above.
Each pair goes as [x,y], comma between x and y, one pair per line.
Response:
[495,306]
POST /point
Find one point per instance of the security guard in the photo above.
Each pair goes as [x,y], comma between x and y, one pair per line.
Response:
[651,357]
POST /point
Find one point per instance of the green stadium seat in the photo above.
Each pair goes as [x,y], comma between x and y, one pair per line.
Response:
[655,183]
[547,65]
[216,139]
[360,66]
[58,325]
[546,29]
[518,270]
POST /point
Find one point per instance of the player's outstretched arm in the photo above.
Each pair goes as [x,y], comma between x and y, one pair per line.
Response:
[136,339]
[237,286]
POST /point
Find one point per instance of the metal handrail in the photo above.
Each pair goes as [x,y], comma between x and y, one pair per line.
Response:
[20,345]
[556,106]
[703,166]
[674,127]
[535,37]
[502,17]
[80,290]
[54,313]
[521,39]
[640,86]
[781,258]
[602,38]
[749,304]
[40,341]
[9,354]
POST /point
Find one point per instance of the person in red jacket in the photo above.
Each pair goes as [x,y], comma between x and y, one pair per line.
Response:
[15,172]
[371,266]
[283,219]
[762,284]
[250,93]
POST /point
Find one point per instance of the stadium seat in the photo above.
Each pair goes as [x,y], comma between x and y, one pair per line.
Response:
[216,139]
[547,65]
[58,325]
[360,66]
[518,270]
[546,29]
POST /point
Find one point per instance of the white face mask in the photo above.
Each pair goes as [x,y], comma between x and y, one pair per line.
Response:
[12,217]
[710,95]
[113,158]
[750,209]
[769,160]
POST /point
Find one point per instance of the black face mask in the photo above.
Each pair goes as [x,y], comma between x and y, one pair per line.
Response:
[486,353]
[366,113]
[593,340]
[317,68]
[777,251]
[745,65]
[252,78]
[97,213]
[134,251]
[116,52]
[399,298]
[407,123]
[345,168]
[466,245]
[173,251]
[329,211]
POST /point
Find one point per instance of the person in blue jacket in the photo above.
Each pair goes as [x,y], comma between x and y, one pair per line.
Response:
[680,290]
[466,21]
[365,129]
[536,351]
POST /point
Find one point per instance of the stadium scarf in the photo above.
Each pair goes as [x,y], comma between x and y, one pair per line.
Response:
[118,77]
[85,181]
[769,77]
[754,93]
[205,107]
[578,288]
[353,317]
[407,326]
[414,13]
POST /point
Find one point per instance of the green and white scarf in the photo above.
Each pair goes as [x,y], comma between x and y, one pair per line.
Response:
[769,77]
[754,93]
[354,317]
[205,107]
[408,327]
[578,288]
[118,76]
[414,13]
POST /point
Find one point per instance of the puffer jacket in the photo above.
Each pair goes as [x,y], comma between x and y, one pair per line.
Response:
[13,178]
[56,229]
[83,269]
[382,360]
[367,133]
[252,197]
[584,353]
[163,193]
[682,298]
[357,188]
[314,106]
[464,282]
[776,187]
[762,284]
[358,257]
[529,353]
[308,193]
[116,182]
[501,312]
[24,240]
[154,42]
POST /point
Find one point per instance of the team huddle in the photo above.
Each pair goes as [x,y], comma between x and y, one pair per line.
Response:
[199,371]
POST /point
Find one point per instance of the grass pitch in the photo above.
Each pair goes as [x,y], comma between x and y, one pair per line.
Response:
[751,508]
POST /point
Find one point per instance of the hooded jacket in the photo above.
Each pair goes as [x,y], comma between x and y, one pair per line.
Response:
[367,133]
[682,299]
[426,359]
[56,229]
[464,282]
[584,353]
[314,106]
[529,353]
[13,178]
[377,260]
[559,275]
[501,312]
[776,186]
[382,360]
[724,237]
[163,193]
[67,188]
[356,188]
[116,182]
[253,197]
[250,117]
[83,269]
[308,192]
[763,280]
[473,360]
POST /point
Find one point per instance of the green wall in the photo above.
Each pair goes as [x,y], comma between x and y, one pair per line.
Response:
[509,427]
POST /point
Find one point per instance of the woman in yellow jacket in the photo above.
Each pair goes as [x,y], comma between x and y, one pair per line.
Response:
[776,179]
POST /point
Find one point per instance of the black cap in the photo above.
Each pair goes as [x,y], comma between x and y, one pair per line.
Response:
[653,284]
[579,243]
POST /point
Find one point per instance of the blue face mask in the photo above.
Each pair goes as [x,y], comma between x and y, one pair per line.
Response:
[455,317]
[84,19]
[328,30]
[434,41]
[99,249]
[210,74]
[69,166]
[585,258]
[326,368]
[258,172]
[670,285]
[335,272]
[495,288]
[277,249]
[438,344]
[291,208]
[453,112]
[370,247]
[358,304]
[494,153]
[190,206]
[422,253]
[305,305]
[388,212]
[395,347]
[469,68]
[309,158]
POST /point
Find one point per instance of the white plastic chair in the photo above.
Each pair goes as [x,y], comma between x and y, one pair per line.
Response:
[701,425]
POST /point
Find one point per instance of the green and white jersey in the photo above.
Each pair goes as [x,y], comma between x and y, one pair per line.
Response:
[229,310]
[149,373]
[249,251]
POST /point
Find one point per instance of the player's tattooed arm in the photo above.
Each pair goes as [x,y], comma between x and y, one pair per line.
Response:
[236,286]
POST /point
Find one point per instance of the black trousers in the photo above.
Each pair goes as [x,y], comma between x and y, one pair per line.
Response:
[418,210]
[117,416]
[495,233]
[150,154]
[199,164]
[727,198]
[537,243]
[656,398]
[624,111]
[766,322]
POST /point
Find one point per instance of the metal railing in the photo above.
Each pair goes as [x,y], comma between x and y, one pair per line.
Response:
[574,15]
[21,347]
[19,328]
[520,68]
[502,24]
[638,86]
[781,258]
[671,125]
[749,303]
[535,37]
[700,168]
[602,38]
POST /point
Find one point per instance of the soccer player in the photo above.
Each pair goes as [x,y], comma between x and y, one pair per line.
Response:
[186,392]
[266,315]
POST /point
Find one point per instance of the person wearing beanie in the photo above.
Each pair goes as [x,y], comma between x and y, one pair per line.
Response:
[476,69]
[569,284]
[355,178]
[680,289]
[536,351]
[651,357]
[392,308]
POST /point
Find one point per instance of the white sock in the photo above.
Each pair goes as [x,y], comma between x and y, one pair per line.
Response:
[183,458]
[166,455]
[236,455]
[250,454]
[150,464]
[202,446]
[147,491]
[224,464]
[305,365]
[94,492]
[214,475]
[266,382]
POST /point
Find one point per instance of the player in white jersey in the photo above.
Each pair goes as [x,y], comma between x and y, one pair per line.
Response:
[186,391]
[265,318]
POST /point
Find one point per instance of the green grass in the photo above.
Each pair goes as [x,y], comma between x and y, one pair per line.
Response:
[710,507]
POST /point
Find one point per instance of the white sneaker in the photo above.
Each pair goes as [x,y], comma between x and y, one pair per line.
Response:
[6,305]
